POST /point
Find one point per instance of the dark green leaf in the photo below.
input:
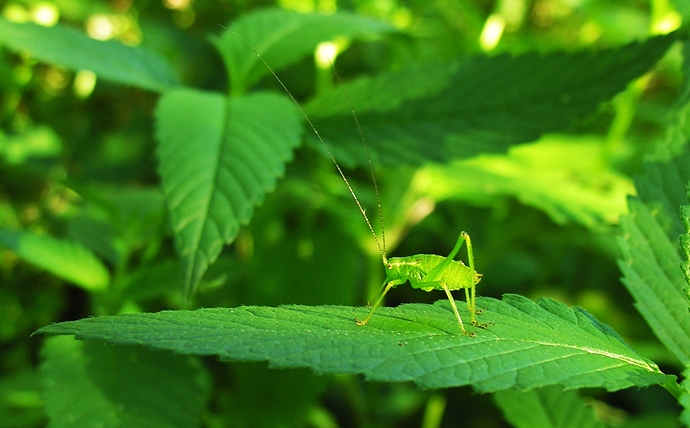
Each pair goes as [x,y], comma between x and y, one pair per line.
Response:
[282,38]
[549,407]
[218,159]
[110,60]
[442,111]
[527,344]
[90,385]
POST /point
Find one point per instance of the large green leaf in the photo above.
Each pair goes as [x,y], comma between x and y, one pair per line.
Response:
[549,407]
[282,38]
[67,259]
[475,105]
[218,159]
[110,60]
[527,344]
[88,385]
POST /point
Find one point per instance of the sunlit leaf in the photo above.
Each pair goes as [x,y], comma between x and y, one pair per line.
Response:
[66,259]
[542,175]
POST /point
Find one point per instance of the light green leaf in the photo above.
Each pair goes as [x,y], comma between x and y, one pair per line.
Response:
[218,159]
[282,38]
[651,257]
[527,344]
[110,60]
[441,111]
[549,407]
[542,175]
[66,259]
[88,385]
[35,142]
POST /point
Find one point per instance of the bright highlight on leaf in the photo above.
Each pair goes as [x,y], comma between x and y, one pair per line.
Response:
[542,175]
[527,344]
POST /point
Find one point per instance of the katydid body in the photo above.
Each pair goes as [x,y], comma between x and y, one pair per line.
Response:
[431,272]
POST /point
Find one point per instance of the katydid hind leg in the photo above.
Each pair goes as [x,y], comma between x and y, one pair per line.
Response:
[471,294]
[436,271]
[455,309]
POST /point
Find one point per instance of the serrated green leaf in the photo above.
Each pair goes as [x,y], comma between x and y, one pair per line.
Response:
[110,60]
[65,259]
[443,111]
[549,407]
[527,344]
[651,257]
[218,159]
[282,38]
[685,244]
[87,384]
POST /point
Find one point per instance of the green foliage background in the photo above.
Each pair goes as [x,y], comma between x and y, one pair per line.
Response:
[187,178]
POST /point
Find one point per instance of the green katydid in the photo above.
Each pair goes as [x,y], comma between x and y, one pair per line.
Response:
[424,271]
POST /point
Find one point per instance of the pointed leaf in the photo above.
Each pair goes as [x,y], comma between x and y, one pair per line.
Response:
[527,345]
[282,38]
[218,159]
[66,259]
[549,407]
[110,60]
[438,112]
[88,385]
[651,257]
